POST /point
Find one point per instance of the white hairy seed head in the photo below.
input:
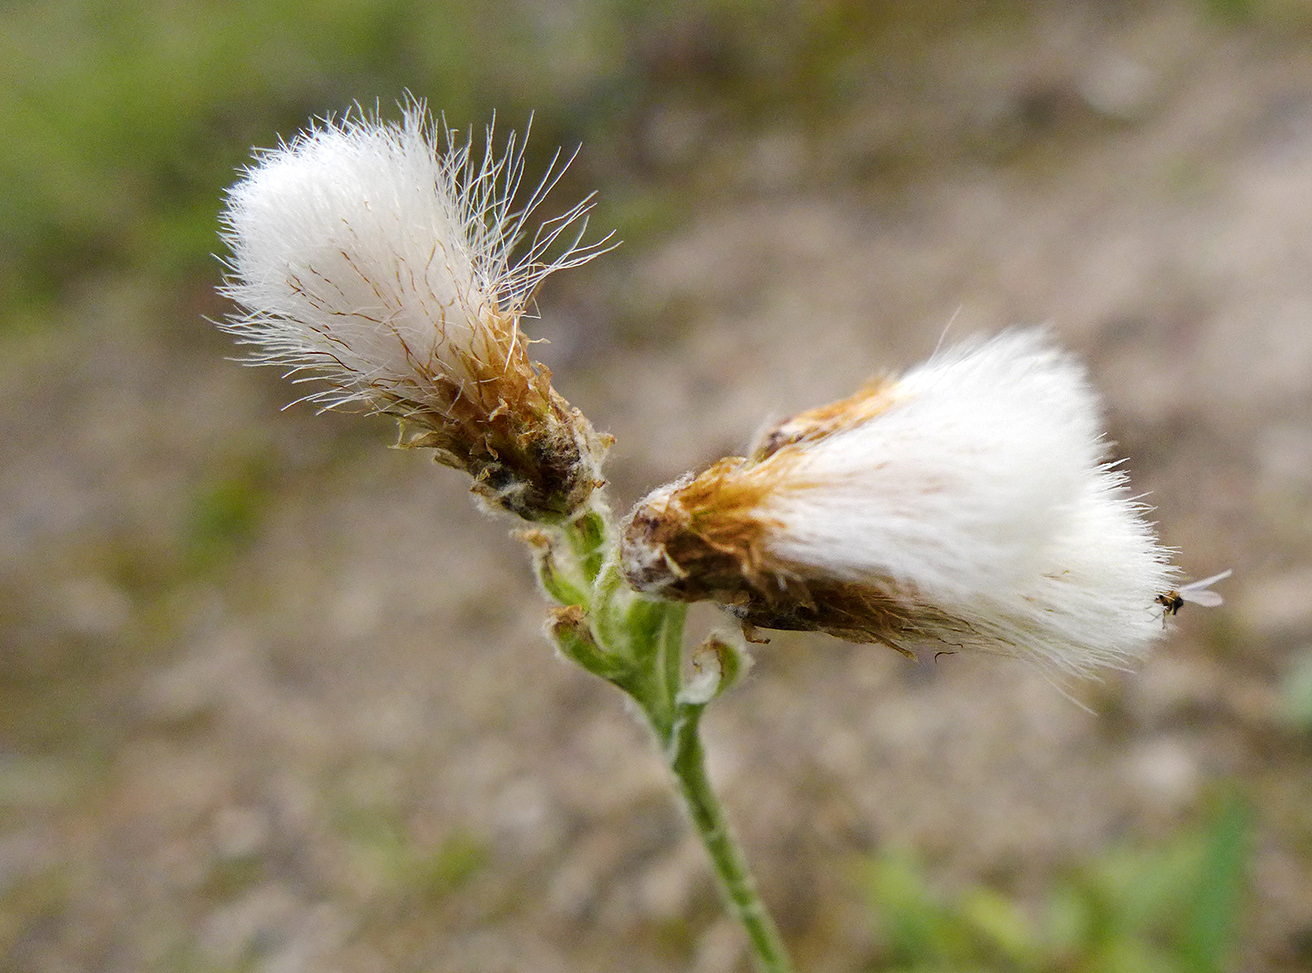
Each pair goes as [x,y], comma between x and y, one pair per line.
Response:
[968,503]
[376,257]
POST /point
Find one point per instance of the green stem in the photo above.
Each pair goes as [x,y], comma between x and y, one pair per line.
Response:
[636,643]
[688,764]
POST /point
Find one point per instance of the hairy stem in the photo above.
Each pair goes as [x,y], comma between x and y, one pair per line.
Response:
[688,764]
[636,643]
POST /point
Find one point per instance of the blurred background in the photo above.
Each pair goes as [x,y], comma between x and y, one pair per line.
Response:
[273,697]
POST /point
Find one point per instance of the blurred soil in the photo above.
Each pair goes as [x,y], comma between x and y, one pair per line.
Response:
[275,697]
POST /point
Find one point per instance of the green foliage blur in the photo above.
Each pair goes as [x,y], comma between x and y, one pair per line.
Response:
[124,119]
[1168,909]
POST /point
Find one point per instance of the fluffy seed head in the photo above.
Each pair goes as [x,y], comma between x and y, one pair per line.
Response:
[377,257]
[968,504]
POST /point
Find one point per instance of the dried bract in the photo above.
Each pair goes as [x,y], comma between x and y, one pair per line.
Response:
[377,257]
[968,504]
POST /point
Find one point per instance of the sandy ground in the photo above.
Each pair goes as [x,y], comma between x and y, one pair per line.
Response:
[342,744]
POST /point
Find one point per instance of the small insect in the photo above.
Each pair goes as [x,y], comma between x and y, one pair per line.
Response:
[1195,592]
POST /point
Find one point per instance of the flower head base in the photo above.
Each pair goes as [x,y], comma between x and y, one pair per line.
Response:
[371,256]
[968,503]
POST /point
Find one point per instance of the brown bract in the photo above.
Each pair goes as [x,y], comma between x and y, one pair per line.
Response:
[704,537]
[866,403]
[701,536]
[528,450]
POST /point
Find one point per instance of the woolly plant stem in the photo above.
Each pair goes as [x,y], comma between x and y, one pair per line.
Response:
[636,643]
[736,882]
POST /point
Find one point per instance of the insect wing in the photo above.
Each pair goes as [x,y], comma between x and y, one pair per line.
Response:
[1208,599]
[1196,592]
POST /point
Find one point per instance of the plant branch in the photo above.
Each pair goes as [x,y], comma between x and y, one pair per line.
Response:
[636,643]
[688,765]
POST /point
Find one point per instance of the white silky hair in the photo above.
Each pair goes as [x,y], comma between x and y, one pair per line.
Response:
[367,250]
[984,490]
